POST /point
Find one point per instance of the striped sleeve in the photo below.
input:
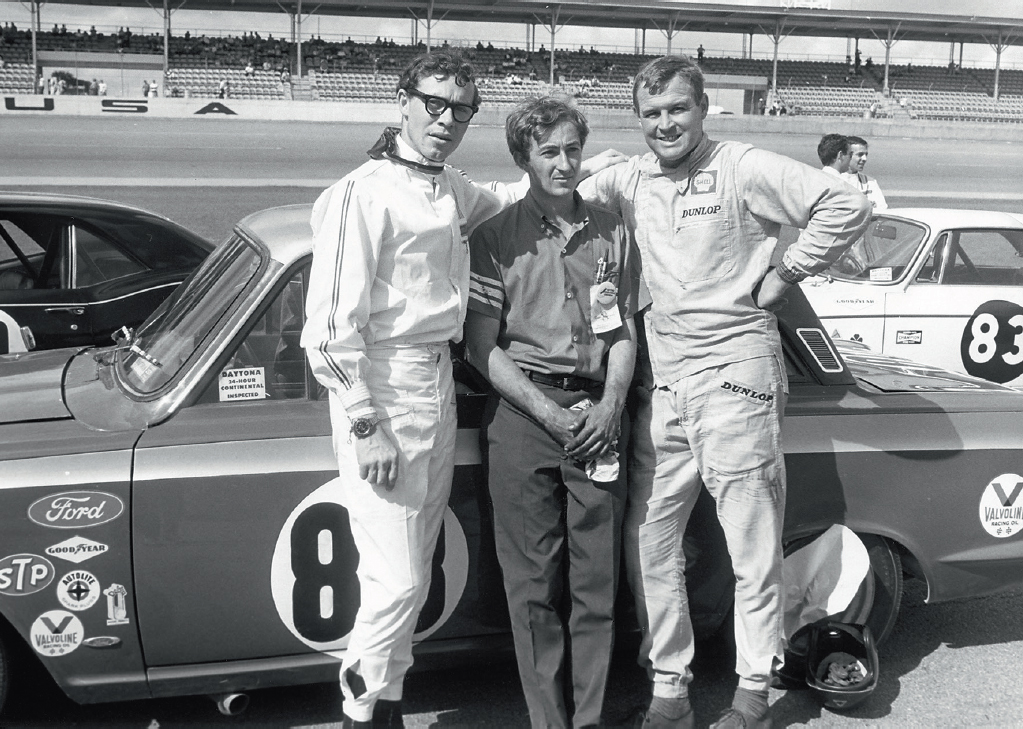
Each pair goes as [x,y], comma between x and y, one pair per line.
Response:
[486,288]
[345,251]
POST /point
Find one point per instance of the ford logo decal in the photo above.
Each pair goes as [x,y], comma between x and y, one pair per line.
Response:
[76,509]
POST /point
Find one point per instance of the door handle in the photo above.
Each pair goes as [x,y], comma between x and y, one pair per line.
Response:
[76,310]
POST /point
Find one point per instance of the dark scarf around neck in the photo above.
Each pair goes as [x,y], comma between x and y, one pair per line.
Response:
[387,148]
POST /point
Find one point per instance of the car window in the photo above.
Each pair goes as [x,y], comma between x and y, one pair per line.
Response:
[985,258]
[882,254]
[930,271]
[181,324]
[270,362]
[20,256]
[96,260]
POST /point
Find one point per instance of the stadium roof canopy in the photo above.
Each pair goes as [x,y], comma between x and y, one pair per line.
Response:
[989,21]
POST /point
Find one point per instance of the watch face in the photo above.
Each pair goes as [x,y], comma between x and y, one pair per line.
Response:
[361,427]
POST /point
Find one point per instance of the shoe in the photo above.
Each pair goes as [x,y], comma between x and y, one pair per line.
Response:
[735,719]
[647,720]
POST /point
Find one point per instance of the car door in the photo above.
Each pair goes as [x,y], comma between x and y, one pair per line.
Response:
[964,308]
[213,489]
[37,249]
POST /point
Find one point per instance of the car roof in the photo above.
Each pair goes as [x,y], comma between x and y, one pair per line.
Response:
[284,230]
[945,218]
[80,202]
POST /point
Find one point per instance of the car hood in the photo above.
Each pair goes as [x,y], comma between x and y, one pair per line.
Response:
[894,374]
[30,385]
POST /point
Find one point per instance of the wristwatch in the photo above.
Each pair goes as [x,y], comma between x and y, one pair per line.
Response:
[363,427]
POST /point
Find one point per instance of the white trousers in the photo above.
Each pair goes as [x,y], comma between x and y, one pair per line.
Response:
[396,530]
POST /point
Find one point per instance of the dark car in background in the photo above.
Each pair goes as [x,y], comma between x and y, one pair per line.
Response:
[73,270]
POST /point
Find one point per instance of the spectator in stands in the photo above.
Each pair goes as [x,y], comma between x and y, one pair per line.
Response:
[250,70]
[102,90]
[145,88]
[154,89]
[858,178]
[94,88]
[224,89]
[833,151]
[699,53]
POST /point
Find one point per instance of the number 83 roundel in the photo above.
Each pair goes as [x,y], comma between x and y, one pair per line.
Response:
[992,342]
[313,573]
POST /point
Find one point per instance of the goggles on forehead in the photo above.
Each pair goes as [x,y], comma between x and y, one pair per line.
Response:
[437,105]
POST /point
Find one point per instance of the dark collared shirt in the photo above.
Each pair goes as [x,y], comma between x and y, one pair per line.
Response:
[536,279]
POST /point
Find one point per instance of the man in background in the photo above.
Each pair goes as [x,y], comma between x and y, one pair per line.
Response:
[833,152]
[858,178]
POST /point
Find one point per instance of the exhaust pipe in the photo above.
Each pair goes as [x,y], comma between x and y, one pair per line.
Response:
[230,704]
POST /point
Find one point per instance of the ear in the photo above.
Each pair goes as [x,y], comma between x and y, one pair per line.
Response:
[704,106]
[403,103]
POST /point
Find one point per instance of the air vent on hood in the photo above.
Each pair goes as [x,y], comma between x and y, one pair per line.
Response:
[821,350]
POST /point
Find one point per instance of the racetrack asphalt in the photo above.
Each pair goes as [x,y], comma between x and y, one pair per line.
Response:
[951,664]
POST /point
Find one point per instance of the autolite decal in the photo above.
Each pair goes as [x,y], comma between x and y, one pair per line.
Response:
[75,509]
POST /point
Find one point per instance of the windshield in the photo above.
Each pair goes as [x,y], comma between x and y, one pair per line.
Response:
[180,325]
[883,253]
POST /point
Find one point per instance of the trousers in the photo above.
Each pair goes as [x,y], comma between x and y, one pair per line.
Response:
[720,427]
[558,537]
[396,530]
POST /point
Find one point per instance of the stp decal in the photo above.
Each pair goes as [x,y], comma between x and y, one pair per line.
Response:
[1001,508]
[313,580]
[992,342]
[23,574]
[56,633]
[75,509]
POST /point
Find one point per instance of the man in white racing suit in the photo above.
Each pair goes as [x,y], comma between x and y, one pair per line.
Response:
[706,217]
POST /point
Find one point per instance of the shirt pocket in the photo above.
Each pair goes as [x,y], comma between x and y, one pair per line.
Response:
[701,238]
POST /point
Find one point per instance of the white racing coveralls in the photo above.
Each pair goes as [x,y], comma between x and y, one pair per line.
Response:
[387,292]
[706,232]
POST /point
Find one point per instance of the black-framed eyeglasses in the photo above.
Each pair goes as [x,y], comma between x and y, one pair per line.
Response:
[437,105]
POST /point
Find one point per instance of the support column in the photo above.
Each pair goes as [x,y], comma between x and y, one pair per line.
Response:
[672,30]
[553,27]
[298,38]
[166,42]
[34,9]
[889,40]
[1004,40]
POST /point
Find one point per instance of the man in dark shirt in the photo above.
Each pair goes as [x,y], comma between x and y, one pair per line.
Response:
[553,290]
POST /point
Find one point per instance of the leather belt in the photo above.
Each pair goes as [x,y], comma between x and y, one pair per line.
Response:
[565,382]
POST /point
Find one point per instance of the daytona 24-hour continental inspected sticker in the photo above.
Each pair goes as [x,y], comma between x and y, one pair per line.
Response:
[1001,508]
[242,383]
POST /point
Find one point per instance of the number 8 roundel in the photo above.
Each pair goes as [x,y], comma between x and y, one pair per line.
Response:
[313,573]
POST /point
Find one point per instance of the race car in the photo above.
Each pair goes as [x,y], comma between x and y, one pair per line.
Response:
[944,287]
[171,522]
[74,269]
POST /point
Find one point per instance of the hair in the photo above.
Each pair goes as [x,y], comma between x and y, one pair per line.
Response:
[856,140]
[831,146]
[443,64]
[535,118]
[658,73]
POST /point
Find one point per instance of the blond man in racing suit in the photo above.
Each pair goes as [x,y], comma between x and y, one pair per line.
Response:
[706,217]
[387,292]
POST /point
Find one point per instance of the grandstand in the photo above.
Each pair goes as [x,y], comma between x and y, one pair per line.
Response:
[260,68]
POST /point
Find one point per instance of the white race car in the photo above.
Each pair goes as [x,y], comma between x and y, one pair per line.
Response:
[942,287]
